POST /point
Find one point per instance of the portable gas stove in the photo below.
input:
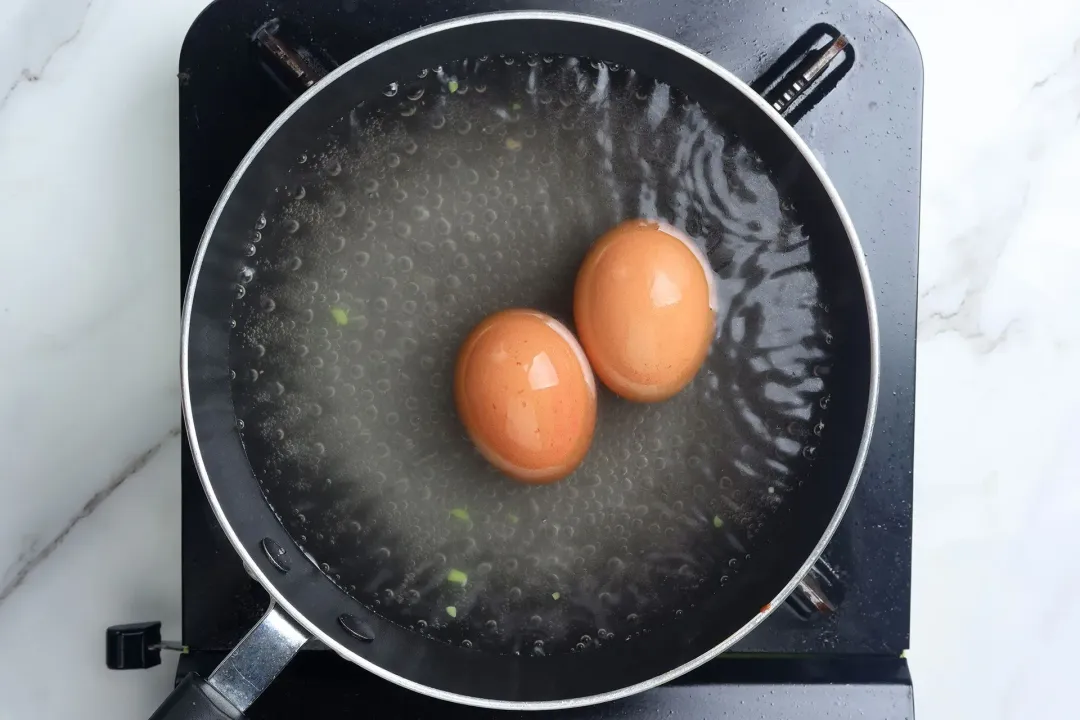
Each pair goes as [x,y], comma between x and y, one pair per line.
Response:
[839,646]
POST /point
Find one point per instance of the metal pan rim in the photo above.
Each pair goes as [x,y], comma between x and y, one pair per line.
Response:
[856,249]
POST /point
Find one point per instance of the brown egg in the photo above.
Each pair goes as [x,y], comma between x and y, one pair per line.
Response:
[526,395]
[645,309]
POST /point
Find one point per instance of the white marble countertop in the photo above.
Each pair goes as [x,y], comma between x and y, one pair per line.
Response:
[89,388]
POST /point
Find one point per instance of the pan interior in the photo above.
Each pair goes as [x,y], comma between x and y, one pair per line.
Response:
[469,188]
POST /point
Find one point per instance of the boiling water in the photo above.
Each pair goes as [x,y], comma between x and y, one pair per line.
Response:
[480,186]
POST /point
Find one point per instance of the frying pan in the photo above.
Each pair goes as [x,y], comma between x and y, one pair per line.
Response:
[441,176]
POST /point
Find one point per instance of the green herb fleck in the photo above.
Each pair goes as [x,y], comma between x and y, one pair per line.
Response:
[717,522]
[512,518]
[555,596]
[341,315]
[515,106]
[460,514]
[458,577]
[452,86]
[512,144]
[451,611]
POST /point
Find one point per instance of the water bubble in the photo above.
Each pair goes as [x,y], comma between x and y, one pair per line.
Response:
[391,90]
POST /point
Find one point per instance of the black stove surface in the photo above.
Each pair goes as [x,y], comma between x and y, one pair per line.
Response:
[867,132]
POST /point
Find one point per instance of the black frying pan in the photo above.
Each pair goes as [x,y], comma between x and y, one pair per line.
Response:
[444,175]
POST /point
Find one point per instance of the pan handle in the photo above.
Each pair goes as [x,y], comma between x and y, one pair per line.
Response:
[241,677]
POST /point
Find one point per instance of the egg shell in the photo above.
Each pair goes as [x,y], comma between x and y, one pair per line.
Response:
[526,395]
[645,309]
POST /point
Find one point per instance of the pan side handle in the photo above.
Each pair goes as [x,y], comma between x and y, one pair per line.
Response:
[291,64]
[241,677]
[820,591]
[806,72]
